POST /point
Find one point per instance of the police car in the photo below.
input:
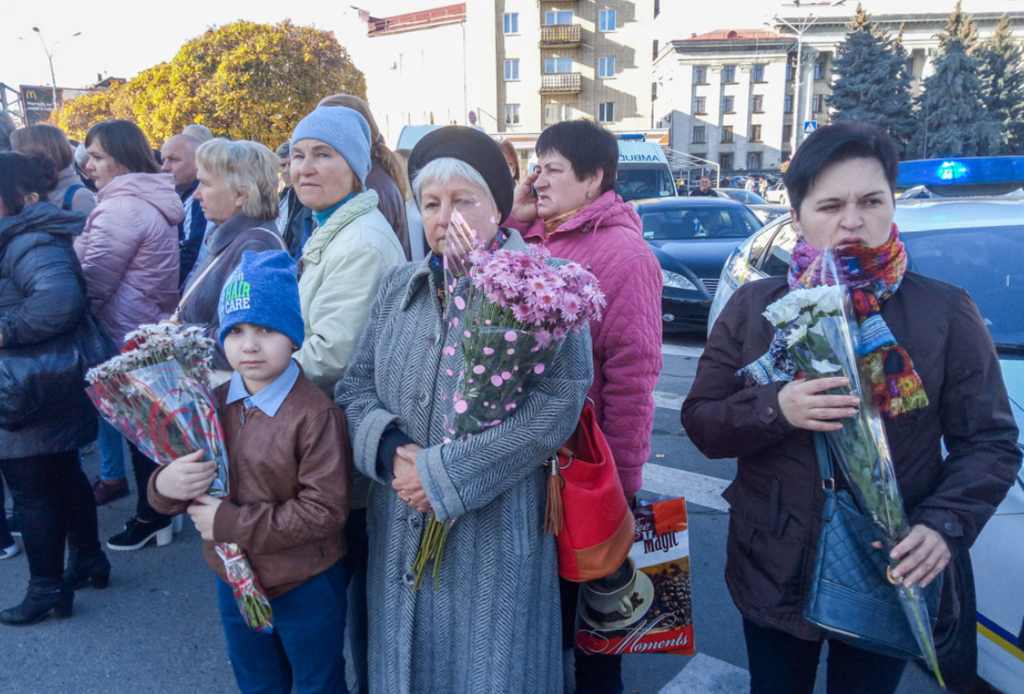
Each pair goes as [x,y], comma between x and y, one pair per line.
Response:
[970,233]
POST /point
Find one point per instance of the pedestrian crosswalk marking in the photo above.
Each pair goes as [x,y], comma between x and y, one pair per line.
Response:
[668,401]
[681,350]
[703,490]
[708,675]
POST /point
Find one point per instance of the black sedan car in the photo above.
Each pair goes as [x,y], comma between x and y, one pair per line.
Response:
[692,237]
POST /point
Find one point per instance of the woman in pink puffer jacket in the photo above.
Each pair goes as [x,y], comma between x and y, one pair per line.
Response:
[129,255]
[130,244]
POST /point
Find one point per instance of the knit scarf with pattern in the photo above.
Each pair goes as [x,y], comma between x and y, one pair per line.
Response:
[872,276]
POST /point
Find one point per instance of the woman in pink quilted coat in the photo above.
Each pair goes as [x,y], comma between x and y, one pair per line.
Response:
[129,255]
[578,215]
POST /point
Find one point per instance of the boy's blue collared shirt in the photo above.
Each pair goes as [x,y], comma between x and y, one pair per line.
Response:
[270,398]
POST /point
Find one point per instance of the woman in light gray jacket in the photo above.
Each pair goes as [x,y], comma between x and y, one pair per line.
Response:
[493,624]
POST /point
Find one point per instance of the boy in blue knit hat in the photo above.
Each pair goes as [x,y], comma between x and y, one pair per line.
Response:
[290,462]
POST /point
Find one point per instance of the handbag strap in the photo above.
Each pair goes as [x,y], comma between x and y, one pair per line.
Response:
[199,280]
[824,461]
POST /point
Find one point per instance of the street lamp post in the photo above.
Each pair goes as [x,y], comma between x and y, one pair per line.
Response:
[49,56]
[804,25]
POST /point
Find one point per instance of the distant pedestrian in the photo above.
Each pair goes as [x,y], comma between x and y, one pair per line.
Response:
[50,141]
[179,160]
[129,255]
[762,186]
[290,461]
[750,185]
[42,297]
[417,240]
[294,220]
[704,190]
[7,127]
[387,176]
[512,157]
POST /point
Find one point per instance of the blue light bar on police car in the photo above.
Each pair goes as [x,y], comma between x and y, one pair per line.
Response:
[961,171]
[639,137]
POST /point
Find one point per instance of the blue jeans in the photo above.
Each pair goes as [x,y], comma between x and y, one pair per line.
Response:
[356,564]
[306,645]
[111,446]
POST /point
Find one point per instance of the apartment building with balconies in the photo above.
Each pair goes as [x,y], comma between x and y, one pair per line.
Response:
[512,67]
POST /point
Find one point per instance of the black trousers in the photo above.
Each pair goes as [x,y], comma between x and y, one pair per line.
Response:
[783,664]
[55,505]
[144,469]
[6,540]
[595,674]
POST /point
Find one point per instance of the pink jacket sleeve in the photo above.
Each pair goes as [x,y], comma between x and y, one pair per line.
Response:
[106,248]
[628,350]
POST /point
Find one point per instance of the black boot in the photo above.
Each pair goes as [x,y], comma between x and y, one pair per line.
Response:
[82,572]
[44,594]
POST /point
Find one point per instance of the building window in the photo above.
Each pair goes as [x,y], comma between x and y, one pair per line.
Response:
[700,74]
[512,69]
[726,133]
[725,161]
[728,104]
[819,70]
[729,74]
[818,102]
[757,103]
[787,132]
[557,65]
[755,133]
[606,20]
[699,135]
[606,67]
[511,114]
[757,74]
[700,105]
[556,113]
[787,103]
[511,22]
[606,112]
[559,17]
[790,72]
[754,161]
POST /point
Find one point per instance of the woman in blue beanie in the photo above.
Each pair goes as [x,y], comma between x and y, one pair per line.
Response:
[343,262]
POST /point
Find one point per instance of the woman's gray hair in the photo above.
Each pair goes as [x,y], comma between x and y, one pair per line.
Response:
[246,167]
[443,170]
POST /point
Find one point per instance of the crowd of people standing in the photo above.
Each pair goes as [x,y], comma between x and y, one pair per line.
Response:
[333,372]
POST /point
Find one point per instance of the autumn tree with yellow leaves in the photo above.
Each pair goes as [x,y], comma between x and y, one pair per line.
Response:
[242,80]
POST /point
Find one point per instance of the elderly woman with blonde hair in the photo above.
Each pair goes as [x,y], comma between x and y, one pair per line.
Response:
[238,193]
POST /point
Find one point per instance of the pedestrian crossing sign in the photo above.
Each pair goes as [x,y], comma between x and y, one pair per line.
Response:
[810,126]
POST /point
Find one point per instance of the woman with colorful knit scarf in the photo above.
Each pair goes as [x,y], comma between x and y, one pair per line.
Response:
[933,374]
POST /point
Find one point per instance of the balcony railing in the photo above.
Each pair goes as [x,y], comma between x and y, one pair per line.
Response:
[561,83]
[560,35]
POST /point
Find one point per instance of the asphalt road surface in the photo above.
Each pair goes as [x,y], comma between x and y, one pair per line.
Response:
[156,628]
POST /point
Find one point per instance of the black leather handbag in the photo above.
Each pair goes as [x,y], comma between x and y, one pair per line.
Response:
[850,597]
[40,378]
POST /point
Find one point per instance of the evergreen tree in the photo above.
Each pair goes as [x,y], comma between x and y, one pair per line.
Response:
[872,80]
[900,118]
[1002,76]
[952,119]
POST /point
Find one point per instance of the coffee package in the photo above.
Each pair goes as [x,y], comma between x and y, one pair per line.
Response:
[645,606]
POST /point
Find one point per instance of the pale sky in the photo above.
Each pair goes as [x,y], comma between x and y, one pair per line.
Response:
[123,37]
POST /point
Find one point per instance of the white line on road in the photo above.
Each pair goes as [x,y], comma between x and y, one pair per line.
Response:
[681,350]
[699,489]
[668,401]
[709,675]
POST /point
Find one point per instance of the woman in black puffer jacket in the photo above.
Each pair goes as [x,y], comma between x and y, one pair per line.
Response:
[42,295]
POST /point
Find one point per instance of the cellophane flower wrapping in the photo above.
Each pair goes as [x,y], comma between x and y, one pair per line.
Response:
[158,394]
[507,312]
[821,338]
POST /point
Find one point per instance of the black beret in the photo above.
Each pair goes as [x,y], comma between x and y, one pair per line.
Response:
[476,149]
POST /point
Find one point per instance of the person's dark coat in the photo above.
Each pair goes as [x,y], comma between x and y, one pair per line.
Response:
[42,294]
[299,226]
[777,498]
[390,203]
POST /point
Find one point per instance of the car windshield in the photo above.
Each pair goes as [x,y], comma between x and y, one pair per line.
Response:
[640,182]
[988,263]
[676,222]
[744,196]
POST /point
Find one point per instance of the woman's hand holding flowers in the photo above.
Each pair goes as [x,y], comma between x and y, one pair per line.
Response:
[407,480]
[202,513]
[923,555]
[804,405]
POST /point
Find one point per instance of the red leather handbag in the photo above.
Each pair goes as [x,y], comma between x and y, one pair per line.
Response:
[587,510]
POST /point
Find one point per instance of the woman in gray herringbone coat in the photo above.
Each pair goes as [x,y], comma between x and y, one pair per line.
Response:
[493,624]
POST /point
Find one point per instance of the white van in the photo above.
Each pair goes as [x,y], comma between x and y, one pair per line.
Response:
[643,170]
